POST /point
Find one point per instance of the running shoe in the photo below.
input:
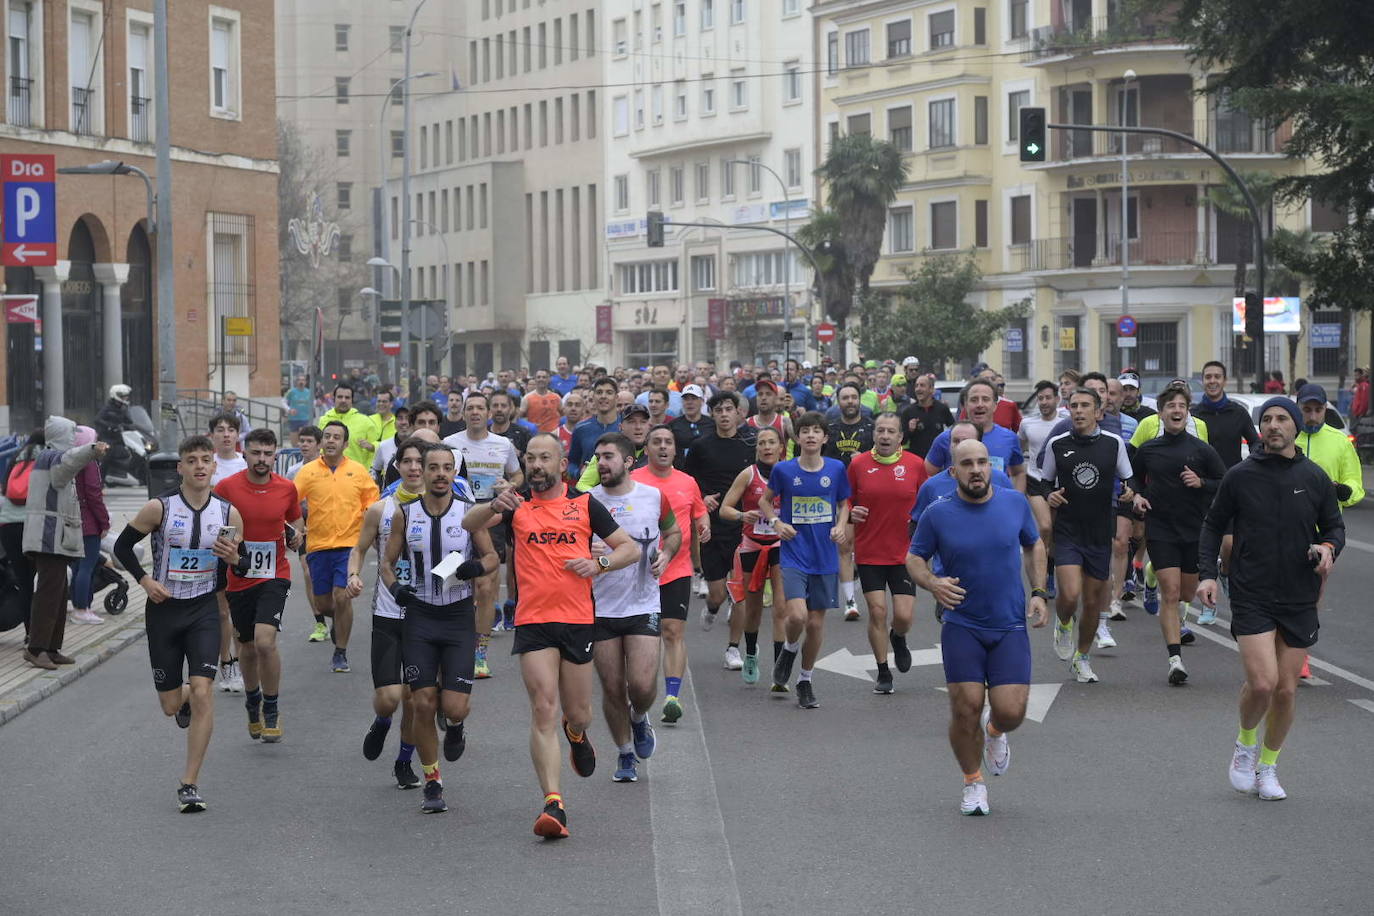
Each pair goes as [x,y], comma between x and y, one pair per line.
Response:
[375,739]
[508,615]
[183,715]
[1207,616]
[226,677]
[1177,673]
[779,688]
[480,669]
[271,728]
[626,770]
[901,655]
[708,618]
[782,668]
[434,798]
[190,801]
[1082,669]
[645,739]
[1151,600]
[851,610]
[806,695]
[672,709]
[1115,611]
[1242,773]
[1063,640]
[883,684]
[1185,636]
[1127,592]
[751,669]
[733,662]
[405,775]
[580,753]
[552,823]
[455,742]
[1049,583]
[320,633]
[698,586]
[1104,639]
[996,751]
[1306,672]
[1267,783]
[340,663]
[975,801]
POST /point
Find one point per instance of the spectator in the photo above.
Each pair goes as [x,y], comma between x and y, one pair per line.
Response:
[231,405]
[1359,404]
[12,513]
[95,522]
[300,406]
[1275,383]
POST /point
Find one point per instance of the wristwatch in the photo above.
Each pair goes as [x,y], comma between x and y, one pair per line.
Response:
[604,562]
[1040,593]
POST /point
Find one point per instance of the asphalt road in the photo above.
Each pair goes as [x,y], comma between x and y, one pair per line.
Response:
[1117,802]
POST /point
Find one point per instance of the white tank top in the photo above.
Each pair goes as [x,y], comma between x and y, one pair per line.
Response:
[383,605]
[182,557]
[633,590]
[429,540]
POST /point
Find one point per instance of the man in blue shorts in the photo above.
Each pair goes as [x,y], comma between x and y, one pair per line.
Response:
[981,538]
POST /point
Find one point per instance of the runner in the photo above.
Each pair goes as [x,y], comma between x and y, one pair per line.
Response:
[812,519]
[846,437]
[691,423]
[555,622]
[542,407]
[674,586]
[503,422]
[226,434]
[926,417]
[978,400]
[1289,531]
[605,418]
[271,516]
[334,492]
[1228,426]
[884,484]
[1127,526]
[385,455]
[714,462]
[308,440]
[1178,474]
[634,423]
[628,603]
[195,535]
[768,414]
[1083,466]
[1035,432]
[982,539]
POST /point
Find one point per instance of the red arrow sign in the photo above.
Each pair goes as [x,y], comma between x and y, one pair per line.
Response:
[28,254]
[21,309]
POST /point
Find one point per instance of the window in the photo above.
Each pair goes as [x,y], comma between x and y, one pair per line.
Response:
[703,272]
[345,247]
[1015,354]
[622,193]
[727,178]
[941,123]
[792,167]
[19,110]
[858,124]
[763,268]
[791,82]
[791,7]
[980,224]
[899,127]
[591,114]
[941,29]
[557,42]
[85,69]
[736,12]
[483,206]
[396,39]
[224,83]
[343,195]
[899,38]
[679,18]
[620,116]
[1021,219]
[656,103]
[647,277]
[543,122]
[980,25]
[424,147]
[708,14]
[755,176]
[944,225]
[342,142]
[140,82]
[1015,102]
[230,278]
[980,120]
[1016,15]
[675,185]
[739,90]
[574,121]
[679,101]
[708,95]
[856,48]
[572,37]
[344,300]
[340,37]
[558,120]
[639,109]
[591,33]
[398,144]
[543,45]
[703,181]
[832,53]
[651,195]
[900,231]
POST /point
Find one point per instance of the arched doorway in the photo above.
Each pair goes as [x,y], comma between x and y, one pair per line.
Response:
[23,360]
[83,360]
[136,304]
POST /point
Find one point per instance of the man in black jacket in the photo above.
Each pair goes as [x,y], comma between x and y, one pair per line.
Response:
[1288,533]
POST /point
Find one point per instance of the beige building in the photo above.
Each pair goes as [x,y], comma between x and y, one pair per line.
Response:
[945,80]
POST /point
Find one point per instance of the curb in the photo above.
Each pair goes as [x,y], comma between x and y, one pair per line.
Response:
[50,683]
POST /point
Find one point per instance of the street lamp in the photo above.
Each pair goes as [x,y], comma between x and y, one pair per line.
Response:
[111,167]
[786,265]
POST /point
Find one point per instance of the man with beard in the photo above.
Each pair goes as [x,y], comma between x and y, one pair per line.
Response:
[503,421]
[850,435]
[925,418]
[634,423]
[689,426]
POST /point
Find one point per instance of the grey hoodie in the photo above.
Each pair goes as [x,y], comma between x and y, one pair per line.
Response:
[53,522]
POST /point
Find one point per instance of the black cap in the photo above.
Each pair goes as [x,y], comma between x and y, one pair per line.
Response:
[634,409]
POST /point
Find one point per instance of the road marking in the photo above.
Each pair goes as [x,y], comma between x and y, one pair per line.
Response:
[1312,660]
[847,663]
[1037,704]
[1359,545]
[693,868]
[1366,705]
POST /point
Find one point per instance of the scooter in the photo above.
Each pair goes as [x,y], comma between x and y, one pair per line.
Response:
[128,467]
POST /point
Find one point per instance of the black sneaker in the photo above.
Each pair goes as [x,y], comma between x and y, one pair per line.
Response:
[434,798]
[375,739]
[183,717]
[455,742]
[884,683]
[405,775]
[1186,637]
[782,668]
[901,655]
[552,823]
[581,755]
[189,799]
[806,696]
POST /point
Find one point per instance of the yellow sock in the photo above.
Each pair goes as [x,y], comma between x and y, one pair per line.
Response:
[431,769]
[553,797]
[1248,737]
[1268,756]
[975,776]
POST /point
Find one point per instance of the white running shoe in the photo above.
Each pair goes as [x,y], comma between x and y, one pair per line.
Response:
[1063,640]
[1083,670]
[226,677]
[996,751]
[851,610]
[1115,611]
[235,678]
[1104,636]
[1267,783]
[1177,673]
[1242,772]
[733,662]
[708,619]
[975,800]
[699,586]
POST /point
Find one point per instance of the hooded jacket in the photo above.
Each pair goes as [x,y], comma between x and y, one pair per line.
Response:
[53,521]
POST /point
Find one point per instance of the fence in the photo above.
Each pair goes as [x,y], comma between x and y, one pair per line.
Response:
[195,407]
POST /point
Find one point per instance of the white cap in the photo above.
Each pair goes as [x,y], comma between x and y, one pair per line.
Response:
[806,364]
[693,391]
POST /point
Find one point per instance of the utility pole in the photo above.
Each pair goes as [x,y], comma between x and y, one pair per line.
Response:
[405,210]
[165,406]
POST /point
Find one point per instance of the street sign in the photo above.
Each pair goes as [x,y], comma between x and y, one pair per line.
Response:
[24,309]
[1015,340]
[391,348]
[30,199]
[1125,342]
[1125,327]
[1326,336]
[825,332]
[238,327]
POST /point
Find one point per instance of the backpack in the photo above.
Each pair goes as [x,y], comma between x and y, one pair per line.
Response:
[17,483]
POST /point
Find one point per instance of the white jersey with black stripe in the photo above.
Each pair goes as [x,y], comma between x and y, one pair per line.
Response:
[429,539]
[182,559]
[383,605]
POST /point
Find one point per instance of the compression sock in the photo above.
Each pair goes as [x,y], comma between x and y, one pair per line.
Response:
[883,670]
[975,776]
[269,705]
[431,769]
[1268,756]
[1150,580]
[252,701]
[847,591]
[671,685]
[405,753]
[384,721]
[777,649]
[1174,649]
[805,674]
[1248,736]
[751,643]
[792,646]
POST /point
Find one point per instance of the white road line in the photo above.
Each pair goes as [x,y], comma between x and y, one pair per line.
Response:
[1366,705]
[1359,545]
[1312,660]
[693,868]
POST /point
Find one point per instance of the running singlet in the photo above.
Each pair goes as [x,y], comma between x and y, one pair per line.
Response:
[889,492]
[264,509]
[684,497]
[763,532]
[1087,469]
[429,540]
[182,557]
[809,501]
[753,423]
[644,513]
[488,461]
[549,533]
[1036,432]
[383,605]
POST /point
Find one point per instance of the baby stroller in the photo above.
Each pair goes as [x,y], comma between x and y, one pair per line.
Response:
[107,575]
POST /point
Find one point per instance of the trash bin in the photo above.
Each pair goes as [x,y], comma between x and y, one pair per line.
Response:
[162,474]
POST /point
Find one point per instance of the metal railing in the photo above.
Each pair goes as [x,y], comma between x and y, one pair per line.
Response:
[1090,32]
[1229,135]
[20,111]
[140,119]
[195,407]
[1152,249]
[83,111]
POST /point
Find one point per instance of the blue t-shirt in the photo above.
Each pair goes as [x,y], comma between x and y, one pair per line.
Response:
[301,404]
[943,486]
[1004,448]
[809,501]
[562,385]
[980,545]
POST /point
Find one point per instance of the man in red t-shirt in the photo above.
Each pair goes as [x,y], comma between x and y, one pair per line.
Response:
[884,483]
[259,584]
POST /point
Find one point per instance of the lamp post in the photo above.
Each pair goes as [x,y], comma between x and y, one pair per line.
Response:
[1126,205]
[383,136]
[786,264]
[405,195]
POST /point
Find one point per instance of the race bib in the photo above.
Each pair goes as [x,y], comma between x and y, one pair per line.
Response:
[811,510]
[483,484]
[403,572]
[998,463]
[262,559]
[766,528]
[186,565]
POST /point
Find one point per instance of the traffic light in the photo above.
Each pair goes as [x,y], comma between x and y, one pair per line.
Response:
[1254,317]
[655,229]
[1032,134]
[389,325]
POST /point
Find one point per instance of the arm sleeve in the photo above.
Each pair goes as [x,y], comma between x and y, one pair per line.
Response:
[603,525]
[1215,525]
[124,552]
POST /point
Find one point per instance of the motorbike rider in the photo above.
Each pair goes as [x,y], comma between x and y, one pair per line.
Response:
[110,424]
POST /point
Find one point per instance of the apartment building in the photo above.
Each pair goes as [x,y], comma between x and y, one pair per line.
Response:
[945,80]
[711,121]
[80,86]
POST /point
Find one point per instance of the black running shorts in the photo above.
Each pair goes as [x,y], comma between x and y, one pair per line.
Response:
[674,597]
[874,578]
[718,555]
[438,646]
[572,640]
[1297,627]
[386,651]
[748,559]
[182,630]
[1180,555]
[616,627]
[262,603]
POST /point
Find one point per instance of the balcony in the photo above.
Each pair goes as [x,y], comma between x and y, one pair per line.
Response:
[1228,136]
[20,111]
[140,120]
[83,111]
[1153,249]
[1090,33]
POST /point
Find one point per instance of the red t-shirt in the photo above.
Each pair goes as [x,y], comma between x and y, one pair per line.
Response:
[889,493]
[684,496]
[265,511]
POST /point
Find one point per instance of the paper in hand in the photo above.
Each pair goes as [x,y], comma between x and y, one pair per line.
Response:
[445,568]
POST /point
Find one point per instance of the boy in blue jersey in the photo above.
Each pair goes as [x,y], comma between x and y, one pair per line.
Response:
[981,538]
[809,498]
